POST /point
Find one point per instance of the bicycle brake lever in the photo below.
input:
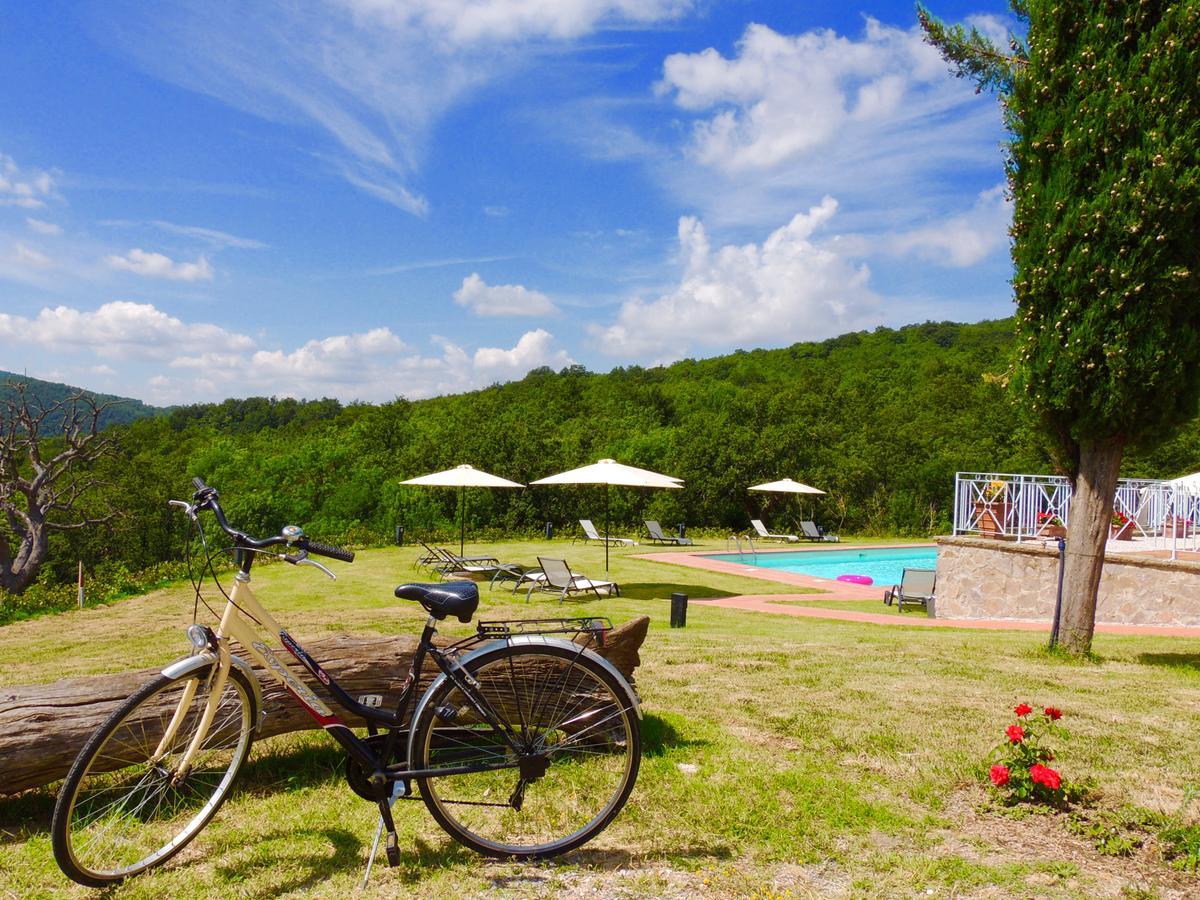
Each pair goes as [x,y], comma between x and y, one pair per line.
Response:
[305,561]
[188,509]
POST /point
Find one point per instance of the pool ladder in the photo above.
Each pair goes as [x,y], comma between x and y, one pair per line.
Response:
[737,540]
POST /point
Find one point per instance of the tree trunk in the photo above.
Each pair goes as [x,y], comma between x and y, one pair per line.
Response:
[1087,534]
[18,571]
[43,726]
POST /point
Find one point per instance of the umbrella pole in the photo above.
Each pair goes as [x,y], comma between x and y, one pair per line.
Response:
[462,520]
[607,531]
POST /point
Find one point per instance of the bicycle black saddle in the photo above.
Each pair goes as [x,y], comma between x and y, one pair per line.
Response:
[453,598]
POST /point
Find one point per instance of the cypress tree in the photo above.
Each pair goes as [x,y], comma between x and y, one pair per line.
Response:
[1103,104]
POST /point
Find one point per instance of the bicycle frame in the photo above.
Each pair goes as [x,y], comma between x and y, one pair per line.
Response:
[232,625]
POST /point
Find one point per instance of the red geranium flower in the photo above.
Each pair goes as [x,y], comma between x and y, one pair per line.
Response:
[999,775]
[1023,709]
[1053,713]
[1015,733]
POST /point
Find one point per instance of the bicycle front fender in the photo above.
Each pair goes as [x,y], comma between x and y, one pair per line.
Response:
[196,661]
[524,639]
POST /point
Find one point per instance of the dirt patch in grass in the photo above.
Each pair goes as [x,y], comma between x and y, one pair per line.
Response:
[984,833]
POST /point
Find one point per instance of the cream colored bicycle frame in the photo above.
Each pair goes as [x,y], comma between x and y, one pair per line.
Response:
[233,626]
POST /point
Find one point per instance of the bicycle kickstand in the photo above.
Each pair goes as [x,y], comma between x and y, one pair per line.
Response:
[391,847]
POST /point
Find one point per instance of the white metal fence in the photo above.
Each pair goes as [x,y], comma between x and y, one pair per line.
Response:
[1002,504]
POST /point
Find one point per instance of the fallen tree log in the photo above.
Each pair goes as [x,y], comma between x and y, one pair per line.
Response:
[43,726]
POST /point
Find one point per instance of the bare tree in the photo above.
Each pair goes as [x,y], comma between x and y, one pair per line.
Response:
[45,453]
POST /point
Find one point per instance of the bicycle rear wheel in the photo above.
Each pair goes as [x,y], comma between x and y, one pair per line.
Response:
[123,809]
[578,748]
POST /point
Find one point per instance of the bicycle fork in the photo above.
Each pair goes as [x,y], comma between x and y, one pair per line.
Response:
[219,676]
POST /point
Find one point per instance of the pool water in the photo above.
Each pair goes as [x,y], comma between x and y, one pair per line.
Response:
[884,566]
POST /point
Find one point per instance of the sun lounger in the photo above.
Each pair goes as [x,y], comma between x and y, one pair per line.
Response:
[656,535]
[915,587]
[451,564]
[814,532]
[767,536]
[557,577]
[591,534]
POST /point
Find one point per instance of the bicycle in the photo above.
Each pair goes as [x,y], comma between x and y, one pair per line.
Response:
[526,745]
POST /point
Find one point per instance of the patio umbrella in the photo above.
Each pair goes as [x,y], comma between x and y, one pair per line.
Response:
[606,472]
[462,477]
[786,486]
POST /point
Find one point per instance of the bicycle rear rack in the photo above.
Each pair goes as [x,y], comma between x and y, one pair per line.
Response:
[596,627]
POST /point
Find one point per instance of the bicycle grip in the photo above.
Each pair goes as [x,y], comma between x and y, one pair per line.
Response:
[198,483]
[331,552]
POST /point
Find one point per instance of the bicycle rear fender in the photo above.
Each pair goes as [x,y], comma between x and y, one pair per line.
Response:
[526,640]
[196,661]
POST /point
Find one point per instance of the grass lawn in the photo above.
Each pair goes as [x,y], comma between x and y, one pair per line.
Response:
[783,756]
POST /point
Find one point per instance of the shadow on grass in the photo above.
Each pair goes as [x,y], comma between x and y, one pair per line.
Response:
[285,769]
[661,590]
[26,814]
[1184,662]
[659,736]
[312,868]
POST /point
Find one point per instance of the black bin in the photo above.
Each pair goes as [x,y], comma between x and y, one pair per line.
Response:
[678,610]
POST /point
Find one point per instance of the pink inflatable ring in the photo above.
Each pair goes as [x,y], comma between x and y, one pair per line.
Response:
[857,579]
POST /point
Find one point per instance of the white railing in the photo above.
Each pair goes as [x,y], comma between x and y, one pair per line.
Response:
[1002,504]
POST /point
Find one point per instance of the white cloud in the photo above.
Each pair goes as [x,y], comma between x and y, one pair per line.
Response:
[962,240]
[179,362]
[463,22]
[39,227]
[534,349]
[29,188]
[791,287]
[784,96]
[219,239]
[496,212]
[502,299]
[156,265]
[372,77]
[26,257]
[117,330]
[876,119]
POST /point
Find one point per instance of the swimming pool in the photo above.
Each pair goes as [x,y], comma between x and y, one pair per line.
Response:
[885,566]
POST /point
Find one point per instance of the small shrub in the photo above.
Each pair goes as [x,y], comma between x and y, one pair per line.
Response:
[1019,769]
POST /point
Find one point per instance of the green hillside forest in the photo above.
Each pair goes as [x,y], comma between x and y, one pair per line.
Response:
[881,420]
[119,411]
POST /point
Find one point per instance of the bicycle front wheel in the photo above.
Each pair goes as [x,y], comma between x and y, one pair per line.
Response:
[560,770]
[127,804]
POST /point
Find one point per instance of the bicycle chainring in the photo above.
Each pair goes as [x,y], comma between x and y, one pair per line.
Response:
[357,777]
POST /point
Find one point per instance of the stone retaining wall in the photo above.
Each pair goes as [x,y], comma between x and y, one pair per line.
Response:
[979,578]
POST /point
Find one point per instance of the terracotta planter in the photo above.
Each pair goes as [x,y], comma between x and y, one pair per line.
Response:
[1177,527]
[991,516]
[1052,531]
[1122,533]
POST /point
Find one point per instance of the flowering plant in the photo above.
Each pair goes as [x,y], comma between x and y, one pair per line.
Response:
[994,490]
[1020,767]
[1048,518]
[1119,519]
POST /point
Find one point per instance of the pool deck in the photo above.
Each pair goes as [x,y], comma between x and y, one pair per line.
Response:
[781,604]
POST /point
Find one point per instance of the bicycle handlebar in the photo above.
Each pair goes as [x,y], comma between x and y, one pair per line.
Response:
[207,498]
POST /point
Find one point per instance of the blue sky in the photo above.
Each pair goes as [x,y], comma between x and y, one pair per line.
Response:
[371,198]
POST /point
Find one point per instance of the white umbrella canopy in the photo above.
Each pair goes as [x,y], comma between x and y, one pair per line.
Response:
[786,486]
[1187,482]
[463,476]
[606,472]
